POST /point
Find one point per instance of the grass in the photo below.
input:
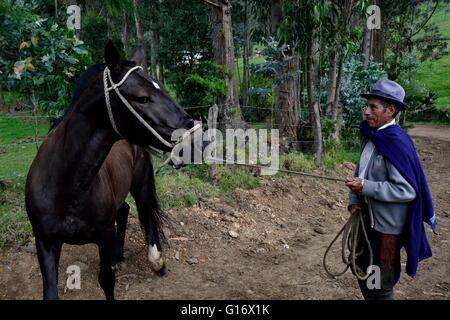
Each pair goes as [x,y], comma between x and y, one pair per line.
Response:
[435,75]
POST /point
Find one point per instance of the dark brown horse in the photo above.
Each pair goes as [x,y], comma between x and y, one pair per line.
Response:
[78,182]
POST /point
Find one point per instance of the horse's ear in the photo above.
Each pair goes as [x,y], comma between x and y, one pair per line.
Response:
[138,56]
[112,57]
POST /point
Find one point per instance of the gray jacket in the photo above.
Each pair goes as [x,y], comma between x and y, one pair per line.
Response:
[386,194]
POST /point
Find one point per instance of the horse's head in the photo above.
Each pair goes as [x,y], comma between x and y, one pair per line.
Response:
[140,109]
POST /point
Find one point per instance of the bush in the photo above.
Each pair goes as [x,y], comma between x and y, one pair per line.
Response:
[421,103]
[42,60]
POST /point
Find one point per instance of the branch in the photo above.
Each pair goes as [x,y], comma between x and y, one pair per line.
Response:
[435,7]
[214,4]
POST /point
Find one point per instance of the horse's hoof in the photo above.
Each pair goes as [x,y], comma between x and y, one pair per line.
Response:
[161,272]
[119,266]
[156,260]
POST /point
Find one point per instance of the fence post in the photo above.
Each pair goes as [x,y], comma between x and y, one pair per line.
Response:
[212,124]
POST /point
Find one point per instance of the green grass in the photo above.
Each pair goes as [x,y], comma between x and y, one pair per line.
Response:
[435,75]
[16,129]
[14,225]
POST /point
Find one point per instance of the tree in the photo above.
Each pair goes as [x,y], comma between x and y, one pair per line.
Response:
[343,39]
[139,38]
[230,115]
[300,24]
[407,32]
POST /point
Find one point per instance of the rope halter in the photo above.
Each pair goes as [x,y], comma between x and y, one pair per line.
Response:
[115,86]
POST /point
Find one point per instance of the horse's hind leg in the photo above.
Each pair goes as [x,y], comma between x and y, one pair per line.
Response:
[122,219]
[106,276]
[143,191]
[48,256]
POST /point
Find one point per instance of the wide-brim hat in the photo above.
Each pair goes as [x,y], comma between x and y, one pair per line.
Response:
[389,91]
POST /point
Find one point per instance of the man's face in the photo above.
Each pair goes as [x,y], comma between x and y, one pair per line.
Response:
[377,114]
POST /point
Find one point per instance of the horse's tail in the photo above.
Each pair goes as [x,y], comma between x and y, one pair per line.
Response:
[160,216]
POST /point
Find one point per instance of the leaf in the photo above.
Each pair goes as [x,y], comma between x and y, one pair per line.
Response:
[45,58]
[34,40]
[24,44]
[30,67]
[38,81]
[71,60]
[19,68]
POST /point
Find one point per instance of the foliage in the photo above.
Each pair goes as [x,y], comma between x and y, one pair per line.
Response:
[407,29]
[199,87]
[260,96]
[356,80]
[42,60]
[185,52]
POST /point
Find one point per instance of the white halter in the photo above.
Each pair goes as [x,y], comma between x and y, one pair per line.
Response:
[106,78]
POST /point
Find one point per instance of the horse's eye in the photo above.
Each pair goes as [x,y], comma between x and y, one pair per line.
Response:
[143,99]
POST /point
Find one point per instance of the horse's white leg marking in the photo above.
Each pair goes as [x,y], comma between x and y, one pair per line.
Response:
[154,256]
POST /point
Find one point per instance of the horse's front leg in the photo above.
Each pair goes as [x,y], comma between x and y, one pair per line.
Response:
[106,276]
[48,253]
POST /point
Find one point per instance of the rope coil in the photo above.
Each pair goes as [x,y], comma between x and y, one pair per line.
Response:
[351,237]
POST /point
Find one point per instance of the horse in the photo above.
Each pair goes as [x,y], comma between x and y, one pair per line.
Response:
[78,182]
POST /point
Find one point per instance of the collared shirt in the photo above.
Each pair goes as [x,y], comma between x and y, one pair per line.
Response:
[368,152]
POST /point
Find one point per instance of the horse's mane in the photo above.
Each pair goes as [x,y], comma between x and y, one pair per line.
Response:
[84,82]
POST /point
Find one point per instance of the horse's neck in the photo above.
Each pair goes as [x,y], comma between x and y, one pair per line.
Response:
[84,147]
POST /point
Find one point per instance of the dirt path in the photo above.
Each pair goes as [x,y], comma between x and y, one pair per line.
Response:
[281,231]
[435,132]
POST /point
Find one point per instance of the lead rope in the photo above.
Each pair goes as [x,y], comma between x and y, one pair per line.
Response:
[350,239]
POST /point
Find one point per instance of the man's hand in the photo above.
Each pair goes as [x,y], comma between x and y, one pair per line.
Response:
[354,184]
[355,208]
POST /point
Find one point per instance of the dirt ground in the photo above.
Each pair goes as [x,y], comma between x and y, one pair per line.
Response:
[265,243]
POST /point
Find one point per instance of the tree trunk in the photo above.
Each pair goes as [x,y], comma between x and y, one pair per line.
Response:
[139,37]
[154,45]
[366,46]
[332,66]
[276,15]
[230,115]
[313,105]
[337,111]
[162,73]
[286,104]
[331,86]
[377,46]
[245,57]
[316,58]
[125,36]
[154,39]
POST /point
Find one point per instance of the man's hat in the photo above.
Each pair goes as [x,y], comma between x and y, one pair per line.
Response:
[389,91]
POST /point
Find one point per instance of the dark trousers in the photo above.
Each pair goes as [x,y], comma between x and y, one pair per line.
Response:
[386,255]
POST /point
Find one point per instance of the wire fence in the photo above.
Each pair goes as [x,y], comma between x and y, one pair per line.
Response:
[38,139]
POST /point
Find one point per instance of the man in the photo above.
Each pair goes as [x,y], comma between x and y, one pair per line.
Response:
[390,190]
